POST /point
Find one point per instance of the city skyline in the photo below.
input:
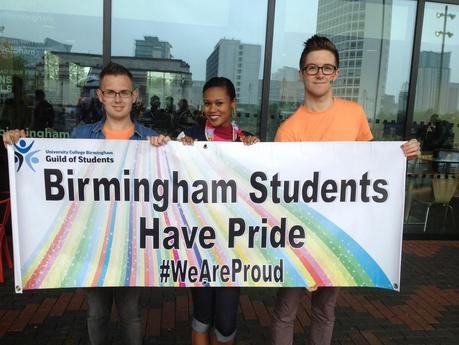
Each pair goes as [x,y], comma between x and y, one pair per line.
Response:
[285,84]
[84,30]
[53,18]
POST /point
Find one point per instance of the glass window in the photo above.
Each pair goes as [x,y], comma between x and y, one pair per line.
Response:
[437,89]
[384,50]
[432,179]
[49,56]
[47,53]
[174,46]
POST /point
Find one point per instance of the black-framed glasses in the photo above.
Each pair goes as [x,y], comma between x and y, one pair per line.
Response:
[312,69]
[113,93]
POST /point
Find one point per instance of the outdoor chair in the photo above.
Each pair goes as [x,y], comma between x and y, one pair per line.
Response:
[5,209]
[443,187]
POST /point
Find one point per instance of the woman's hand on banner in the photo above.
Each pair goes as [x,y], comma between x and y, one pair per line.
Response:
[12,137]
[412,149]
[186,140]
[159,140]
[250,140]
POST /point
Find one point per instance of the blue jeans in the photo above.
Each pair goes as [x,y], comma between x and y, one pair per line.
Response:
[127,302]
[216,307]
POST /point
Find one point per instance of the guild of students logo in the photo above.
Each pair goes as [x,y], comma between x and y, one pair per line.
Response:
[23,153]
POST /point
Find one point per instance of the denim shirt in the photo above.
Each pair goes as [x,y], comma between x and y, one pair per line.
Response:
[94,131]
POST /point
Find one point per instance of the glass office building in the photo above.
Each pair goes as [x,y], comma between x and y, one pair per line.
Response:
[399,59]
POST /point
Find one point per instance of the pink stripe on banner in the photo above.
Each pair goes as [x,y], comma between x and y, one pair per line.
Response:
[148,253]
[192,256]
[319,276]
[167,220]
[174,251]
[133,260]
[104,248]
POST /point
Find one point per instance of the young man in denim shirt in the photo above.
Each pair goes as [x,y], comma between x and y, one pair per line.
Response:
[117,94]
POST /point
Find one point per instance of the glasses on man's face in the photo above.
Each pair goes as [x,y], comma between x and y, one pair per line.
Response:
[112,93]
[312,69]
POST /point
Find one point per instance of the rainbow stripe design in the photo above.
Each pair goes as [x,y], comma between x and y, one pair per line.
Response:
[96,243]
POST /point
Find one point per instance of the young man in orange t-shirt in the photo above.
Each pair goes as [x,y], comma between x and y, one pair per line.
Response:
[322,117]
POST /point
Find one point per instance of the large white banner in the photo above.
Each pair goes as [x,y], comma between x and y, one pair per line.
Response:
[124,213]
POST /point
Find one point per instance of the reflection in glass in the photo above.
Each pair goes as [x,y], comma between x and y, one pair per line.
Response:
[436,108]
[432,179]
[173,55]
[44,72]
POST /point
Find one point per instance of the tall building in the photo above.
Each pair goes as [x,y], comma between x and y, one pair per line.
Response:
[361,32]
[239,62]
[434,92]
[453,97]
[152,47]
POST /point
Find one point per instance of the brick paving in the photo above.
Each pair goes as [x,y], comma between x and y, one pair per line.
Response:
[425,312]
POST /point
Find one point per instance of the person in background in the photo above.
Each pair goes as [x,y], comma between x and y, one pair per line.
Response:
[160,120]
[437,134]
[155,103]
[43,114]
[170,106]
[322,117]
[16,112]
[183,118]
[199,117]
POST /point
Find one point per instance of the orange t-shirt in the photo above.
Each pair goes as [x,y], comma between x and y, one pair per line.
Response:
[343,121]
[118,134]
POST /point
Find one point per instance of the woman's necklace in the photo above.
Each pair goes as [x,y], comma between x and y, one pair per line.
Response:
[210,132]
